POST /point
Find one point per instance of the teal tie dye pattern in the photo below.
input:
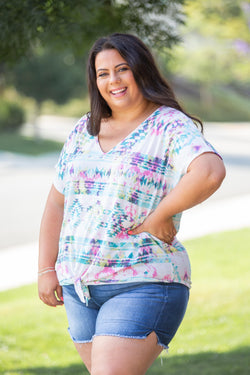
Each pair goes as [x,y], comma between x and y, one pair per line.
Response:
[107,194]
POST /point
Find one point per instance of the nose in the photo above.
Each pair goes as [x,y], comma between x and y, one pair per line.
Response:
[114,77]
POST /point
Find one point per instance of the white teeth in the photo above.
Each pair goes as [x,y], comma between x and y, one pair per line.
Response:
[118,91]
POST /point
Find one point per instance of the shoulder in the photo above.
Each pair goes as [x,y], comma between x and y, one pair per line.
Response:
[78,132]
[172,115]
[172,121]
[81,124]
[80,128]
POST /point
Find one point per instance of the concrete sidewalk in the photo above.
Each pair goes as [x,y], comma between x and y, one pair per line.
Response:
[18,265]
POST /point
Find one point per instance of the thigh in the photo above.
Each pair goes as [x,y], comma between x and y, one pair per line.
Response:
[117,355]
[148,308]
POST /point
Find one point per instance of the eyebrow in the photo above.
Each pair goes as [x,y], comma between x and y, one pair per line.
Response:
[115,66]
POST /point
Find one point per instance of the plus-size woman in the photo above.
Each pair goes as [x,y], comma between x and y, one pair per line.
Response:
[108,245]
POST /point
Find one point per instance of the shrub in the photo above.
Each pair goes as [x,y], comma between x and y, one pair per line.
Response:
[12,116]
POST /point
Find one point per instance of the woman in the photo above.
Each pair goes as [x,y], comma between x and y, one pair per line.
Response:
[126,173]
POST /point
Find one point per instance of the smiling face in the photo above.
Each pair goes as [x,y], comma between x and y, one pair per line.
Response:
[115,81]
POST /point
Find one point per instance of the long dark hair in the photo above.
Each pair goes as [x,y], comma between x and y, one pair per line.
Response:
[147,76]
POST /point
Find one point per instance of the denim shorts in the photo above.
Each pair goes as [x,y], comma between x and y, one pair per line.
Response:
[131,310]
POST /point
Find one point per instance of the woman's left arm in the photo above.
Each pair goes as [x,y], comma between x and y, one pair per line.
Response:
[204,176]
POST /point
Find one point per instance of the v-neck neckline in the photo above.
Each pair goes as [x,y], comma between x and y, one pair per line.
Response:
[128,137]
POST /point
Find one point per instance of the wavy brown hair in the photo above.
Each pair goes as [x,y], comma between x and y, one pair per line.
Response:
[147,76]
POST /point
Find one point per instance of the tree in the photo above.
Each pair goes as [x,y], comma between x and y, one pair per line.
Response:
[75,24]
[28,26]
[48,75]
[216,42]
[216,47]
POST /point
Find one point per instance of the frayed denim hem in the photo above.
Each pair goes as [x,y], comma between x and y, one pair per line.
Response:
[75,341]
[81,342]
[164,347]
[121,336]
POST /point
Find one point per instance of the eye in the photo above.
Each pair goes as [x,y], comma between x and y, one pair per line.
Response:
[104,74]
[123,69]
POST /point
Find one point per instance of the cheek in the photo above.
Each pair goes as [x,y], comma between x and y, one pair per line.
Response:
[132,83]
[100,86]
[131,78]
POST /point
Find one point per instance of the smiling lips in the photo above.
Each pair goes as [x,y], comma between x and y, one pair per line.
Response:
[119,92]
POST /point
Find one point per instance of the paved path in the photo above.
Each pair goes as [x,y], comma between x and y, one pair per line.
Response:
[25,182]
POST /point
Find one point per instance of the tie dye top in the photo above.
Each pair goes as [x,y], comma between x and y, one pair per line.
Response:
[108,194]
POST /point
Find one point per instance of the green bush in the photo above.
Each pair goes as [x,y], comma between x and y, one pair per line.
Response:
[12,116]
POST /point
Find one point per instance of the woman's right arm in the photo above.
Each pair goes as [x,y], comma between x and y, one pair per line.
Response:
[49,290]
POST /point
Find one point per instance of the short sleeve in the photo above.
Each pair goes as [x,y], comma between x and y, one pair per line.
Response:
[186,143]
[69,148]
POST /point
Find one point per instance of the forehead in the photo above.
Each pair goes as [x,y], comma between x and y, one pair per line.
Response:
[108,59]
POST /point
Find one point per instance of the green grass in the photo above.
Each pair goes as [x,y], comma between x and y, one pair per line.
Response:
[14,142]
[213,339]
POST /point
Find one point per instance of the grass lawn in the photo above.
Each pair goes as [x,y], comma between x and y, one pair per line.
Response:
[14,142]
[213,339]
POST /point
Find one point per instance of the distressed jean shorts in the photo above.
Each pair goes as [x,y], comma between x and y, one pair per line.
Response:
[129,310]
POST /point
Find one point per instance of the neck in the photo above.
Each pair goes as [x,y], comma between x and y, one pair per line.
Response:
[130,115]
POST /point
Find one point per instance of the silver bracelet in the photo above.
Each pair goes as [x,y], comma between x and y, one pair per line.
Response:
[43,272]
[46,268]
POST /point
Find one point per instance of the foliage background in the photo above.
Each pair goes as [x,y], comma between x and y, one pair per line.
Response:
[212,65]
[202,47]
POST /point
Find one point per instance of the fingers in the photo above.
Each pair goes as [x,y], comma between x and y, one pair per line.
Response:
[162,233]
[136,230]
[169,238]
[59,293]
[49,290]
[50,299]
[139,229]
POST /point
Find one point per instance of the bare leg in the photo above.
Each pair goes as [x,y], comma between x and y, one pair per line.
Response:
[85,353]
[116,355]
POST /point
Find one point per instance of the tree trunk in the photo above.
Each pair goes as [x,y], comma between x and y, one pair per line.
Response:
[36,130]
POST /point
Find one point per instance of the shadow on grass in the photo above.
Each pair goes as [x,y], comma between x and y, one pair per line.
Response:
[234,362]
[209,363]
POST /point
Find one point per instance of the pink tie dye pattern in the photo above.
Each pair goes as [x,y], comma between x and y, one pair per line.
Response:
[106,195]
